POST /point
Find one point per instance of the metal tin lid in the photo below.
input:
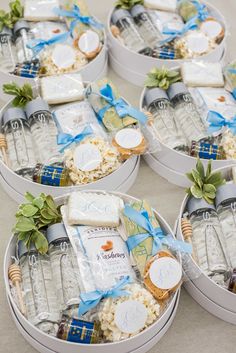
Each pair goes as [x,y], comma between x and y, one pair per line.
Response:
[21,25]
[35,106]
[198,204]
[22,248]
[13,114]
[55,232]
[177,88]
[119,14]
[153,94]
[6,31]
[224,193]
[137,10]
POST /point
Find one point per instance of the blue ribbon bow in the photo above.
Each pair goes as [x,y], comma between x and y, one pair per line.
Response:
[233,71]
[39,44]
[218,121]
[202,12]
[174,33]
[159,239]
[121,107]
[76,14]
[91,299]
[67,139]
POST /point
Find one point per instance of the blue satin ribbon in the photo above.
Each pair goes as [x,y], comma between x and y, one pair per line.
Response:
[159,239]
[121,107]
[91,299]
[39,44]
[67,139]
[218,121]
[174,33]
[233,71]
[76,14]
[202,14]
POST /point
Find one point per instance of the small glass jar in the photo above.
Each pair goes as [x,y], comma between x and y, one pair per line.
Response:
[208,239]
[19,142]
[22,37]
[146,28]
[188,118]
[65,268]
[158,104]
[207,150]
[226,209]
[128,31]
[51,175]
[43,129]
[38,287]
[7,60]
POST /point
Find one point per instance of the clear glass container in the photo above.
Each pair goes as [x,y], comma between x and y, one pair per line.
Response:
[19,142]
[226,210]
[39,289]
[23,35]
[43,129]
[65,269]
[188,118]
[159,106]
[208,239]
[128,31]
[7,61]
[146,28]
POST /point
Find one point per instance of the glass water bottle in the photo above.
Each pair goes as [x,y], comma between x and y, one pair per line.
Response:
[226,210]
[208,239]
[19,142]
[39,289]
[128,31]
[158,104]
[188,118]
[146,28]
[64,268]
[43,129]
[7,61]
[22,37]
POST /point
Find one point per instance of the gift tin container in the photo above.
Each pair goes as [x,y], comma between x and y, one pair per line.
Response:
[133,67]
[212,297]
[142,342]
[94,70]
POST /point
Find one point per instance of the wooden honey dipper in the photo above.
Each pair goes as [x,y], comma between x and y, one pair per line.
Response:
[187,229]
[14,273]
[149,117]
[3,148]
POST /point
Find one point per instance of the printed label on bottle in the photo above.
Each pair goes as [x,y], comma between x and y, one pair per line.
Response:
[3,38]
[165,273]
[80,331]
[51,176]
[208,151]
[130,316]
[87,157]
[128,138]
[63,56]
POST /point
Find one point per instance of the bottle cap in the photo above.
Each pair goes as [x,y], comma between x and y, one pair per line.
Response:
[224,193]
[137,10]
[13,114]
[21,25]
[35,106]
[6,31]
[55,232]
[119,15]
[153,94]
[177,88]
[22,248]
[198,204]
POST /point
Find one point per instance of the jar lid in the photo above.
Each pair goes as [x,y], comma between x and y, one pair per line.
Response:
[119,15]
[7,31]
[21,25]
[152,94]
[35,106]
[13,114]
[22,248]
[198,204]
[55,232]
[177,88]
[137,10]
[225,192]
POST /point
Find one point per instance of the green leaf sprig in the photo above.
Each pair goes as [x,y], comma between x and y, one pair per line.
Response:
[205,184]
[23,94]
[128,4]
[162,78]
[17,11]
[38,213]
[5,20]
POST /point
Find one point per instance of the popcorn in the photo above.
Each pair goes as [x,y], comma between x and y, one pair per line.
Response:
[229,144]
